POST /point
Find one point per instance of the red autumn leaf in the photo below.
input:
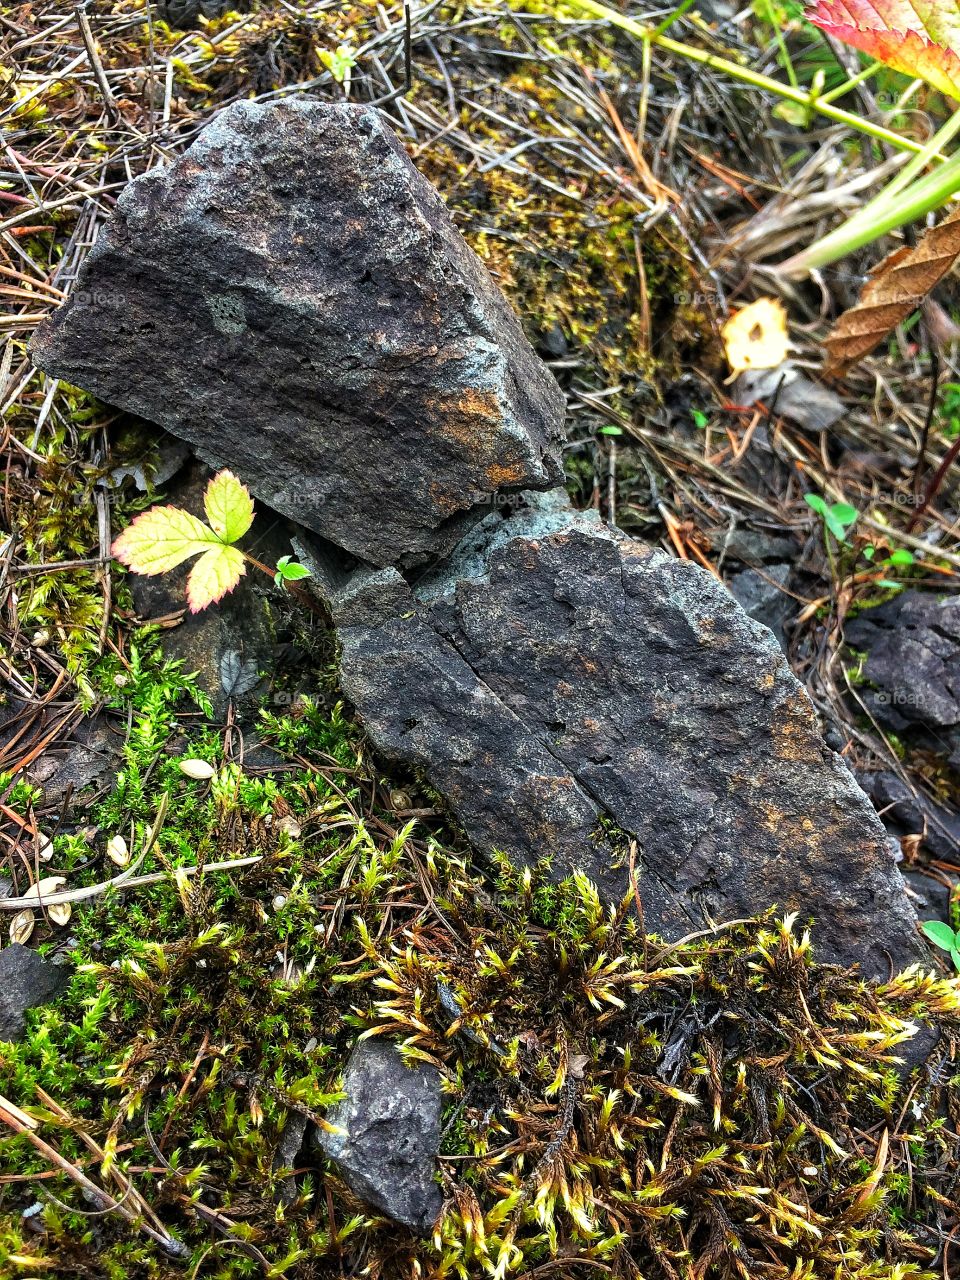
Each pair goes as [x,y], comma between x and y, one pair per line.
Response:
[918,38]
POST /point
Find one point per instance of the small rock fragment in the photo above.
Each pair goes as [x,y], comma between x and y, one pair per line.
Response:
[763,596]
[908,813]
[285,1156]
[787,391]
[390,1119]
[913,659]
[26,980]
[755,546]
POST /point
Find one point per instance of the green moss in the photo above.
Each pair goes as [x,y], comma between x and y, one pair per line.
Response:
[609,1100]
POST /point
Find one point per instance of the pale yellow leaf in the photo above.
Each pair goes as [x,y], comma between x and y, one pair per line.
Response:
[215,573]
[162,538]
[756,337]
[229,506]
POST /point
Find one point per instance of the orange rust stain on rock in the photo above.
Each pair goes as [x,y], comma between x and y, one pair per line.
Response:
[442,500]
[792,741]
[793,732]
[793,832]
[472,419]
[773,819]
[500,476]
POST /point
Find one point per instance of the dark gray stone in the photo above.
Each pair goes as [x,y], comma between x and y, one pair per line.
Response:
[763,596]
[756,546]
[285,1156]
[907,812]
[26,980]
[390,1122]
[570,690]
[913,659]
[292,297]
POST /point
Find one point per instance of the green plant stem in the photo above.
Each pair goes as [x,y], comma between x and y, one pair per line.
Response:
[852,83]
[915,166]
[744,74]
[785,59]
[671,18]
[870,223]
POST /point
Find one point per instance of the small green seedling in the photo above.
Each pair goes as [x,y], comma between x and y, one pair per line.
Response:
[899,559]
[163,537]
[289,571]
[700,419]
[947,939]
[340,62]
[839,517]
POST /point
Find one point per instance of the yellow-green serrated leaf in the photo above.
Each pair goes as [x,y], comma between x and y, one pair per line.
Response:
[229,506]
[162,538]
[215,573]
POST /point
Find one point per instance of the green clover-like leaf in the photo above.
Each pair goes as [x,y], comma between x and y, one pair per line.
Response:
[940,934]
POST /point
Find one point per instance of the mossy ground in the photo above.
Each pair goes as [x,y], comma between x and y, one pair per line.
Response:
[613,1106]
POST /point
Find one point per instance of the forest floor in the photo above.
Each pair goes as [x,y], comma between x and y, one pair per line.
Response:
[625,204]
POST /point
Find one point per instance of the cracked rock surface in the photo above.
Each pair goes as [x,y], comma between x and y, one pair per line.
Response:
[571,690]
[292,297]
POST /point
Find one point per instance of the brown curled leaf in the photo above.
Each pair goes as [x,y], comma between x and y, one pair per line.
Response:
[895,288]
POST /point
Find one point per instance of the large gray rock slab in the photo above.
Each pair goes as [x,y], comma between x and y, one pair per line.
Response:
[389,1122]
[26,980]
[292,297]
[571,691]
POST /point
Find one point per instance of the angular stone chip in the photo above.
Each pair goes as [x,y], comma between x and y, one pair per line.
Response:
[388,1134]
